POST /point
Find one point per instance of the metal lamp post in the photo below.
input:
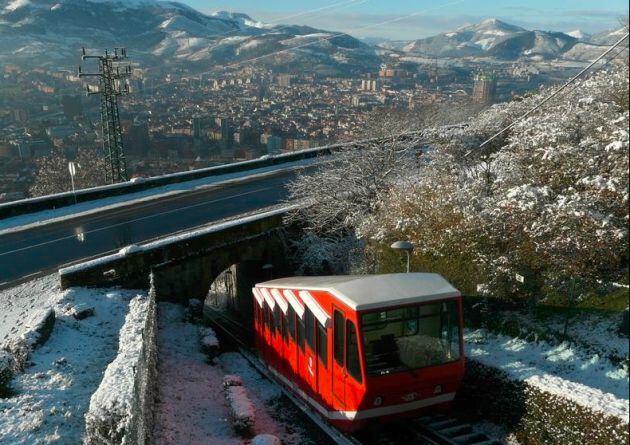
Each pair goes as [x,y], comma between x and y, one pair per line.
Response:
[405,246]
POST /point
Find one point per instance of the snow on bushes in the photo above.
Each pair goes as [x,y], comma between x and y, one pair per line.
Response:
[232,380]
[548,200]
[242,412]
[6,372]
[265,439]
[209,341]
[15,352]
[119,408]
[534,415]
[194,311]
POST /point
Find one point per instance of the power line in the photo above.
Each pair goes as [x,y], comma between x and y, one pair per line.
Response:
[554,94]
[336,5]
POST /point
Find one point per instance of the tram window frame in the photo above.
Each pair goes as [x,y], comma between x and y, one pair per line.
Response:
[353,363]
[322,344]
[300,331]
[291,322]
[272,321]
[265,310]
[309,327]
[285,335]
[339,336]
[277,316]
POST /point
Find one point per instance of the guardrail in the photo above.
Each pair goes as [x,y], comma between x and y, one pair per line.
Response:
[49,202]
[65,199]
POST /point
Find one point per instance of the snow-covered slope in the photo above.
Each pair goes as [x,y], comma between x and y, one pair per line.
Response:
[159,32]
[580,35]
[608,37]
[492,38]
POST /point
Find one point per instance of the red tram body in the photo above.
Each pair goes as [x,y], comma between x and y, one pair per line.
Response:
[360,349]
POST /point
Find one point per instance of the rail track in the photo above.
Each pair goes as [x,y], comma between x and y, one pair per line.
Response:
[429,430]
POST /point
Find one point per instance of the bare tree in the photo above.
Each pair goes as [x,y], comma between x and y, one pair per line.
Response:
[345,190]
[53,176]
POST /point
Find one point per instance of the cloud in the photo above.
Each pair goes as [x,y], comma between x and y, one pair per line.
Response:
[398,27]
[16,4]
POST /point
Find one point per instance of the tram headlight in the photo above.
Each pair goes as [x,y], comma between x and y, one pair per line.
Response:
[378,401]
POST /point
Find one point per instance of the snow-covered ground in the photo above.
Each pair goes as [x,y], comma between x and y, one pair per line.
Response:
[564,370]
[52,395]
[22,222]
[191,406]
[21,303]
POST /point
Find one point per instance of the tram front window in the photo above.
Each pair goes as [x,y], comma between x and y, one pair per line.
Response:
[411,337]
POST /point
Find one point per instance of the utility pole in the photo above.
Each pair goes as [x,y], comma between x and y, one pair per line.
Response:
[112,83]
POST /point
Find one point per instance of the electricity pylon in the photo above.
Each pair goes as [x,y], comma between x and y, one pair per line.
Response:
[112,83]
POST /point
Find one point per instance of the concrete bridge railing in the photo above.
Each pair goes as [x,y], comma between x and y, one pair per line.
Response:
[49,202]
[31,205]
[185,265]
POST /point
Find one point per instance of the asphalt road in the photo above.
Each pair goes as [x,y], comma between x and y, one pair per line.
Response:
[43,249]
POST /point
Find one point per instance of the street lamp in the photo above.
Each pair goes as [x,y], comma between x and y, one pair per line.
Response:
[407,247]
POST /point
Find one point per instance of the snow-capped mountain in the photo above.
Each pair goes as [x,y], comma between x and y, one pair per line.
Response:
[609,37]
[580,35]
[166,32]
[492,38]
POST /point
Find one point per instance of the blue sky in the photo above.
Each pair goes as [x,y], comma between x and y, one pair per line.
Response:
[407,19]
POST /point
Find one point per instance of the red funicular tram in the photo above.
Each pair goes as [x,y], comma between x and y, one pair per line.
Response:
[360,348]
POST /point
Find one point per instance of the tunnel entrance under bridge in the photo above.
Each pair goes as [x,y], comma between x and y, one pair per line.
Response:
[223,276]
[231,291]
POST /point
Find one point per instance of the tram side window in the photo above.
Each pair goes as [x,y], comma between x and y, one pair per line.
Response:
[300,333]
[272,320]
[285,328]
[309,324]
[339,334]
[265,314]
[291,322]
[322,344]
[352,352]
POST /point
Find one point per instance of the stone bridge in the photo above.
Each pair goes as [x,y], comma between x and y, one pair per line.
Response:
[184,266]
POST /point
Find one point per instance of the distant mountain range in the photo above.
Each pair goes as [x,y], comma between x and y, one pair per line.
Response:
[163,33]
[496,39]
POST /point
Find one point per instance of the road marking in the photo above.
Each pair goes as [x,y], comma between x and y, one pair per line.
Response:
[100,229]
[31,274]
[147,201]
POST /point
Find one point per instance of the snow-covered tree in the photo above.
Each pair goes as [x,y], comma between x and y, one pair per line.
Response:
[547,200]
[53,176]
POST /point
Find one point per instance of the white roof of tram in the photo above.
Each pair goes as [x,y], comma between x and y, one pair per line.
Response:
[365,292]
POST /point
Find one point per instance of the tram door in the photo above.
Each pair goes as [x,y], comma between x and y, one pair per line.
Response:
[338,362]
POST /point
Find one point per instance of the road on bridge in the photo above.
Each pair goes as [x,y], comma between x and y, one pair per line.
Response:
[42,249]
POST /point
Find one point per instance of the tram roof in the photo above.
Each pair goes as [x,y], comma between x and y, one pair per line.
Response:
[365,292]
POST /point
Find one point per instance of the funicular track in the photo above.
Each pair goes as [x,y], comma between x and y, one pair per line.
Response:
[429,430]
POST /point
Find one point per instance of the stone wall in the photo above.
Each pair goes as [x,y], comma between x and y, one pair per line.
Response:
[121,409]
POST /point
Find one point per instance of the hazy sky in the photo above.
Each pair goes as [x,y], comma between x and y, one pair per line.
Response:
[407,19]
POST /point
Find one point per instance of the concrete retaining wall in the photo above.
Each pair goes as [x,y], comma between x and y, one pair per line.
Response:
[121,409]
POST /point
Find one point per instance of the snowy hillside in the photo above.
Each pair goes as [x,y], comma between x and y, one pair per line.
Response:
[492,38]
[156,32]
